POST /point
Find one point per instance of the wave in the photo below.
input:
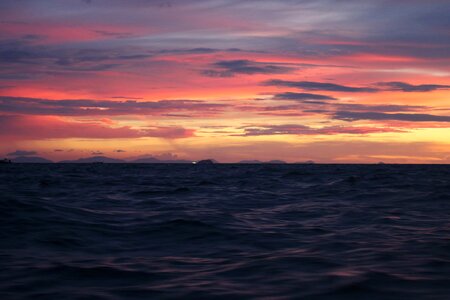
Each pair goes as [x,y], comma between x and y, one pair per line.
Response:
[224,231]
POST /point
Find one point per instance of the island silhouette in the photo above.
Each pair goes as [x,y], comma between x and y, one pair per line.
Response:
[146,160]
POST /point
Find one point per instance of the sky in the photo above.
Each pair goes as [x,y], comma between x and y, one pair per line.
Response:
[333,81]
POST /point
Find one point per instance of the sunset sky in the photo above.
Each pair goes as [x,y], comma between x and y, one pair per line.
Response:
[325,80]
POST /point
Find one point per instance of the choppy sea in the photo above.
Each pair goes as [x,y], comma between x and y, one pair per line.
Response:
[136,231]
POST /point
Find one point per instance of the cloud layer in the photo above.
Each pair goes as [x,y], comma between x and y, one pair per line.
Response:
[36,128]
[178,75]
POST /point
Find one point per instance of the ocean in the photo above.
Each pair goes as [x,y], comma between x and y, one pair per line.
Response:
[143,231]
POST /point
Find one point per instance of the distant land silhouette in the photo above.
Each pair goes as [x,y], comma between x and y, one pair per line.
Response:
[145,160]
[94,159]
[308,162]
[250,162]
[153,160]
[206,162]
[31,159]
[275,161]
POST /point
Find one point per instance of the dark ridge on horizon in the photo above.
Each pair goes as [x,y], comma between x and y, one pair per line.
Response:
[154,160]
[94,159]
[30,159]
[148,160]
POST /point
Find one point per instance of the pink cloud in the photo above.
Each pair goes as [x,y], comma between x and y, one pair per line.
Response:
[13,127]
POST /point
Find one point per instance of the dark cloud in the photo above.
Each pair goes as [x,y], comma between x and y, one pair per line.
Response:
[229,68]
[316,111]
[301,96]
[177,115]
[406,87]
[325,108]
[407,28]
[88,68]
[320,86]
[200,50]
[112,34]
[22,53]
[97,153]
[22,153]
[16,75]
[128,98]
[17,56]
[35,58]
[377,108]
[119,151]
[296,129]
[277,108]
[33,37]
[355,116]
[32,58]
[217,74]
[83,107]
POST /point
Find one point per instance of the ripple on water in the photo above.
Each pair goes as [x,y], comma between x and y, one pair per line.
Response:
[224,231]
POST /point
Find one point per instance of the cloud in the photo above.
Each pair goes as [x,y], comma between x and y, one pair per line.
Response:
[119,151]
[22,153]
[127,98]
[45,127]
[97,153]
[41,61]
[320,86]
[406,87]
[27,59]
[407,27]
[296,129]
[217,74]
[117,35]
[84,107]
[200,50]
[229,68]
[303,107]
[301,96]
[320,109]
[377,108]
[177,115]
[28,56]
[355,116]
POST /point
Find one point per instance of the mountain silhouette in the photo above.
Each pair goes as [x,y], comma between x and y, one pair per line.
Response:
[308,162]
[206,162]
[276,162]
[262,162]
[94,159]
[250,162]
[31,160]
[153,160]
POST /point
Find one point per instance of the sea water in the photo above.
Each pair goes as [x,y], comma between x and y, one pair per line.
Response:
[136,231]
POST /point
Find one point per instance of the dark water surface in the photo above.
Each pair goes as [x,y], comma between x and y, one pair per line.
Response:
[224,231]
